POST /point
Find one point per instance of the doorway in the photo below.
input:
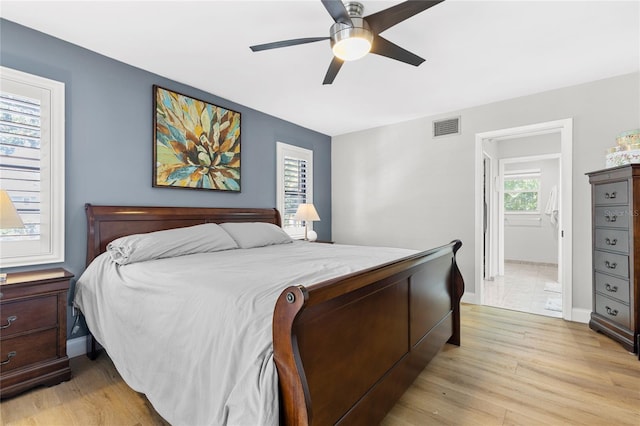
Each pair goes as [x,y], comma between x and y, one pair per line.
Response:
[528,242]
[490,229]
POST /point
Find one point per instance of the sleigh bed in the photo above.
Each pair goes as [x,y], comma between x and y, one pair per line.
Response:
[345,348]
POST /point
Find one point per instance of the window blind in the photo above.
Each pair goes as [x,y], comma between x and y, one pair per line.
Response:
[295,188]
[20,158]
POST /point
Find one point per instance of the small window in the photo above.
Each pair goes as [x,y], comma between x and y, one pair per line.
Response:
[522,192]
[294,185]
[32,167]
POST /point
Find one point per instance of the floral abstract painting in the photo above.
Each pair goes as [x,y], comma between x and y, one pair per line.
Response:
[196,144]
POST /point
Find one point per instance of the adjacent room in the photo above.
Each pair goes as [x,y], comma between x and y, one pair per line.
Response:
[315,212]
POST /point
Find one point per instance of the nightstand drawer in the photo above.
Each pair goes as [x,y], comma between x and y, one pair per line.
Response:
[613,217]
[28,314]
[611,193]
[29,349]
[610,263]
[612,239]
[612,310]
[612,287]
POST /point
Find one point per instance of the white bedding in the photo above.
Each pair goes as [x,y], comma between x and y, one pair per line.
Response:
[193,333]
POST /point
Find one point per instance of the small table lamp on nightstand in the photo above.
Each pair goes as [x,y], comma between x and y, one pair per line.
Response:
[308,213]
[9,218]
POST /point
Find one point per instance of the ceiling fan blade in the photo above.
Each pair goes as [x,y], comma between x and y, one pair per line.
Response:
[334,67]
[387,18]
[286,43]
[337,11]
[383,47]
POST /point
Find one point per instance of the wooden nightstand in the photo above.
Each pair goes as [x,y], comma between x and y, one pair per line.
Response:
[33,330]
[323,242]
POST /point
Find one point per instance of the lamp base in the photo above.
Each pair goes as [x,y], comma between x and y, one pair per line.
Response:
[312,235]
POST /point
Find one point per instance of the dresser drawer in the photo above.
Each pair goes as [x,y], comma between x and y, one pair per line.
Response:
[610,263]
[613,287]
[614,217]
[611,239]
[28,314]
[28,349]
[611,193]
[612,310]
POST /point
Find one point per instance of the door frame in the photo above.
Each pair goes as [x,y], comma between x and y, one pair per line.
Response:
[490,262]
[565,128]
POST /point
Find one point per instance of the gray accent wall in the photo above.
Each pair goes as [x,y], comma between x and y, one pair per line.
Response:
[109,138]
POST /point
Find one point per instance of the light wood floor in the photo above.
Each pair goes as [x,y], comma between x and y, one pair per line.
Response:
[512,369]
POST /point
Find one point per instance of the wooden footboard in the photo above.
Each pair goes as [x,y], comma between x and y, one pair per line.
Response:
[346,349]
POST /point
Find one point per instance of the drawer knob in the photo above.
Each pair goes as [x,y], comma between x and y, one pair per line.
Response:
[9,356]
[610,218]
[612,312]
[611,289]
[610,265]
[611,242]
[610,195]
[10,320]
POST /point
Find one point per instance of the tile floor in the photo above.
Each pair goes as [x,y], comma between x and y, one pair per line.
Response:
[526,287]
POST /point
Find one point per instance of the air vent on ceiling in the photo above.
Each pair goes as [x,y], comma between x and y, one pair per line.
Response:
[450,126]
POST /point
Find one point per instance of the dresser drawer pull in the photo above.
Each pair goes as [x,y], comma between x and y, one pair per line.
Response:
[611,242]
[612,312]
[10,319]
[9,356]
[610,195]
[610,218]
[613,289]
[610,265]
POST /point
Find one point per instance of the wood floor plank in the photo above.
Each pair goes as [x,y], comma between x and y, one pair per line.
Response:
[565,373]
[512,369]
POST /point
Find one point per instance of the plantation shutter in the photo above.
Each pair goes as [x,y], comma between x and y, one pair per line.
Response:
[32,151]
[295,188]
[294,185]
[20,162]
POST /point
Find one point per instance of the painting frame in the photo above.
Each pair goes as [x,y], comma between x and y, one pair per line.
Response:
[196,144]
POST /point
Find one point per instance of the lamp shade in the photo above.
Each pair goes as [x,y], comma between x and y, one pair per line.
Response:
[9,217]
[306,212]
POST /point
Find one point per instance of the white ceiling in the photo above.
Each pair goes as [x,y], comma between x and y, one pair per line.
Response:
[476,52]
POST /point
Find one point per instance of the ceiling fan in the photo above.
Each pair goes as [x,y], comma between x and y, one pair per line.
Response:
[353,36]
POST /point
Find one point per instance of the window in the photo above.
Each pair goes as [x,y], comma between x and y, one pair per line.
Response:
[294,185]
[32,167]
[522,192]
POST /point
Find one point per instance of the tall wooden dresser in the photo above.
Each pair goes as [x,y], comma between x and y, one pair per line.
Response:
[615,195]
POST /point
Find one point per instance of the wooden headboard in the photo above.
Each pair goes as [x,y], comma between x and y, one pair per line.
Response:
[106,223]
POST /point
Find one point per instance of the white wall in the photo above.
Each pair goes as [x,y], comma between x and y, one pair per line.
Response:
[532,237]
[529,145]
[398,186]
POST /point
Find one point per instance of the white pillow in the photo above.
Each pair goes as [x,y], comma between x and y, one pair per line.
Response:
[204,238]
[256,234]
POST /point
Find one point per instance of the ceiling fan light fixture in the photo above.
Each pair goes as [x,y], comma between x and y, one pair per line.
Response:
[351,49]
[350,43]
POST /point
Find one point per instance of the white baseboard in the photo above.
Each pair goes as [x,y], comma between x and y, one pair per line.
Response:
[580,315]
[77,346]
[469,298]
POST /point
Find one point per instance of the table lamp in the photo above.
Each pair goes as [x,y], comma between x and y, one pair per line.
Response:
[308,213]
[9,219]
